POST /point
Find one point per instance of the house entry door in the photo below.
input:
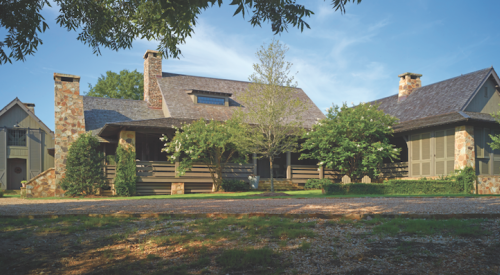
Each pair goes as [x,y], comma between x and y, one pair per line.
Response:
[16,172]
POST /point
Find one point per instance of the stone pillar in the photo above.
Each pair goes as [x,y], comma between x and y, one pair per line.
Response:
[127,137]
[288,165]
[152,70]
[464,147]
[69,119]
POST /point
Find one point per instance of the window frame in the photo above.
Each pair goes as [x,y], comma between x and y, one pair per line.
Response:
[16,140]
[210,98]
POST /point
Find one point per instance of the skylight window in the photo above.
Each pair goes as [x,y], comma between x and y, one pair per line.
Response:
[211,100]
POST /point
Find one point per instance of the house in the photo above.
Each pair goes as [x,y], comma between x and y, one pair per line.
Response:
[446,125]
[26,145]
[169,100]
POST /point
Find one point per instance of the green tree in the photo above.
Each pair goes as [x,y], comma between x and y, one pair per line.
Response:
[353,140]
[126,85]
[272,106]
[125,180]
[115,24]
[212,143]
[84,167]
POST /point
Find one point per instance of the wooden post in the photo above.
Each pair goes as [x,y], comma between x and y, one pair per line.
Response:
[176,169]
[254,156]
[321,173]
[288,165]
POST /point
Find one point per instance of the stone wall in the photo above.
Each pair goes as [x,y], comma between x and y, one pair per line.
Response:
[43,185]
[464,147]
[488,185]
[69,119]
[152,70]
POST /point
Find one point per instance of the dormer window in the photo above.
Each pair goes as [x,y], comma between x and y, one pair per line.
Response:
[211,100]
[209,97]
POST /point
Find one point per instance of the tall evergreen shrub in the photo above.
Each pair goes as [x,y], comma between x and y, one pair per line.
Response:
[84,167]
[125,170]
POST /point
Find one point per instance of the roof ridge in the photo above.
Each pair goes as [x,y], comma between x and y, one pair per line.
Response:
[489,68]
[85,96]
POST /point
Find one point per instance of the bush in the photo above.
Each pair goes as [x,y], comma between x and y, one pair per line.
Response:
[84,166]
[1,193]
[234,185]
[111,159]
[312,184]
[396,187]
[125,180]
[466,178]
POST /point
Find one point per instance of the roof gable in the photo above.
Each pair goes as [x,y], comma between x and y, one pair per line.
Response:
[443,97]
[17,102]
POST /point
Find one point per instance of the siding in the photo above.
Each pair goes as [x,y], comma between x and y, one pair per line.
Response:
[16,115]
[486,100]
[3,158]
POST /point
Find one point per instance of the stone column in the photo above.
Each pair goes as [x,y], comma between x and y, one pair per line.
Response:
[464,147]
[69,119]
[127,137]
[288,165]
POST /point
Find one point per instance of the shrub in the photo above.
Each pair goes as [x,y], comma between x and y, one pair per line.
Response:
[396,187]
[111,159]
[312,184]
[125,180]
[234,185]
[1,193]
[466,178]
[84,166]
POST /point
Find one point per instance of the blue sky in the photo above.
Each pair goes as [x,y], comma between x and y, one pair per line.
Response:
[354,57]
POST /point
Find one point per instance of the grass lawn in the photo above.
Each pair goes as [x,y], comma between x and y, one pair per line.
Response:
[249,195]
[248,245]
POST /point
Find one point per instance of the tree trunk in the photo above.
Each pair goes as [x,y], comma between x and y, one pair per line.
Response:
[272,182]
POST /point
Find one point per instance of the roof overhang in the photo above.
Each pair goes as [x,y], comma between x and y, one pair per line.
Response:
[159,126]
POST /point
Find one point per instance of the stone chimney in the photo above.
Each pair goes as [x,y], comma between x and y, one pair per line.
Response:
[152,70]
[408,82]
[69,118]
[30,106]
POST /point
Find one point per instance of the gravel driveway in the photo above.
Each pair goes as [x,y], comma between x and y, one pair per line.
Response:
[329,206]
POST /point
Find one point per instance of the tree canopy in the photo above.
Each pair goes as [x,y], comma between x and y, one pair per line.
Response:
[272,106]
[125,85]
[352,140]
[115,24]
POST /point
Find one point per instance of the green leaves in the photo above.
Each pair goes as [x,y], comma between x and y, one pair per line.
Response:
[84,167]
[125,180]
[213,143]
[353,140]
[126,85]
[115,24]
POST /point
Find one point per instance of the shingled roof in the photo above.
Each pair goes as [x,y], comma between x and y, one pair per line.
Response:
[445,97]
[180,105]
[100,111]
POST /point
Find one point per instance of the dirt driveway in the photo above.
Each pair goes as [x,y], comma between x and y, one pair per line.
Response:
[328,206]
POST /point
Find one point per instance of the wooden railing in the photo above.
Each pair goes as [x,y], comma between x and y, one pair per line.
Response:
[301,173]
[156,177]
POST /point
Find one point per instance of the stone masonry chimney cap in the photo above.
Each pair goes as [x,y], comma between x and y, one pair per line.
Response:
[66,75]
[410,74]
[149,51]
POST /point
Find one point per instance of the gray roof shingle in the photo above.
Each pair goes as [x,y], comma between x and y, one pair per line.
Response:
[180,105]
[99,111]
[436,99]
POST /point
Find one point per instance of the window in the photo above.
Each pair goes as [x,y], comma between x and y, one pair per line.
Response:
[211,100]
[16,138]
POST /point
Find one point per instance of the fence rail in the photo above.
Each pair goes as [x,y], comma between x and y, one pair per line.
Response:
[301,173]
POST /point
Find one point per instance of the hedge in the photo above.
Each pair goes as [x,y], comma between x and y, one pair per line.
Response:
[396,187]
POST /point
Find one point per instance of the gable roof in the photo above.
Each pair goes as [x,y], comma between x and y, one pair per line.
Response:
[18,102]
[180,105]
[99,111]
[440,98]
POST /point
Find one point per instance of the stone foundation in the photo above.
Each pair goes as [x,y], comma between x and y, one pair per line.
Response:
[44,185]
[488,185]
